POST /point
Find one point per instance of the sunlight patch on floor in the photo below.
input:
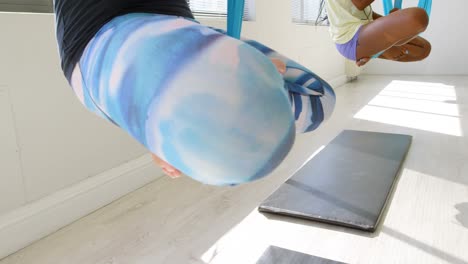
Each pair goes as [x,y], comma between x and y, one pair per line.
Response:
[231,248]
[424,106]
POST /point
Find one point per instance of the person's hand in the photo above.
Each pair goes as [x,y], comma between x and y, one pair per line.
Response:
[280,65]
[362,61]
[394,10]
[167,168]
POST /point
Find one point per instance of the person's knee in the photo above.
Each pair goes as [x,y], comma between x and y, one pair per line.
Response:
[419,19]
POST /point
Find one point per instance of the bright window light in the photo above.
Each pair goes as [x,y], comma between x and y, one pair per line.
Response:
[219,8]
[309,12]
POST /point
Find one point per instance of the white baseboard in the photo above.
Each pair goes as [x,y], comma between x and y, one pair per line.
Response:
[39,219]
[338,81]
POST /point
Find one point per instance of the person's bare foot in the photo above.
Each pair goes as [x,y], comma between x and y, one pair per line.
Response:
[362,61]
[280,65]
[170,170]
[167,168]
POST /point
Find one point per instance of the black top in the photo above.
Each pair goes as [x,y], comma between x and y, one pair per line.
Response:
[78,21]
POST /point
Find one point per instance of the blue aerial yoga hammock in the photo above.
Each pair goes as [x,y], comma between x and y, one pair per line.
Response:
[235,14]
[388,5]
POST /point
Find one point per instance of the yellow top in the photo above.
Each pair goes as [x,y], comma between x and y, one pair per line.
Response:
[345,19]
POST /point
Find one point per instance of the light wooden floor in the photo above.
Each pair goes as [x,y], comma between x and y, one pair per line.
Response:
[180,221]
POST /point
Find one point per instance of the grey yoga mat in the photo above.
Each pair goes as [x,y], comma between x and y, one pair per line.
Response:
[347,183]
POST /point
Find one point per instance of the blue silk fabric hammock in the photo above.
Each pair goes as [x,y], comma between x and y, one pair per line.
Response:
[388,5]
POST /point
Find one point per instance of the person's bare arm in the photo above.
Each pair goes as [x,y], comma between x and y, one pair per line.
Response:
[362,4]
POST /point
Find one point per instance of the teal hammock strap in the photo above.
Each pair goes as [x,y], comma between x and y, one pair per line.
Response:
[398,4]
[427,5]
[234,19]
[388,5]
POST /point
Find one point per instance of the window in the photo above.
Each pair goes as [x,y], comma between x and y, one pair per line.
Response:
[218,8]
[26,6]
[309,12]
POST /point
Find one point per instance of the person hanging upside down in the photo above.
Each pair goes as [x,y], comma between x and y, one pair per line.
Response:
[220,110]
[361,34]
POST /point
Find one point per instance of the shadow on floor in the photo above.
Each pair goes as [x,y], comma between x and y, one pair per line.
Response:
[462,216]
[422,246]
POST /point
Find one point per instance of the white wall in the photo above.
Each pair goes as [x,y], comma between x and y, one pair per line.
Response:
[58,162]
[308,45]
[11,180]
[447,34]
[48,140]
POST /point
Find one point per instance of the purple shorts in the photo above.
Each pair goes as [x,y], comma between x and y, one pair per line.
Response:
[349,48]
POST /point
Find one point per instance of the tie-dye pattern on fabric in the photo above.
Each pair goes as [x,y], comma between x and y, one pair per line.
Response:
[214,107]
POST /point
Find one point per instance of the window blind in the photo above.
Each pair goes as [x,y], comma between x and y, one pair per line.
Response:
[218,8]
[27,6]
[309,12]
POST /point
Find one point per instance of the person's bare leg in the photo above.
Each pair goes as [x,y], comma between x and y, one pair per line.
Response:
[403,42]
[416,49]
[394,29]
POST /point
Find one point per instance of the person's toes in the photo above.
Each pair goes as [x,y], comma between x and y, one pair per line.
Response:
[171,172]
[362,61]
[175,174]
[280,65]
